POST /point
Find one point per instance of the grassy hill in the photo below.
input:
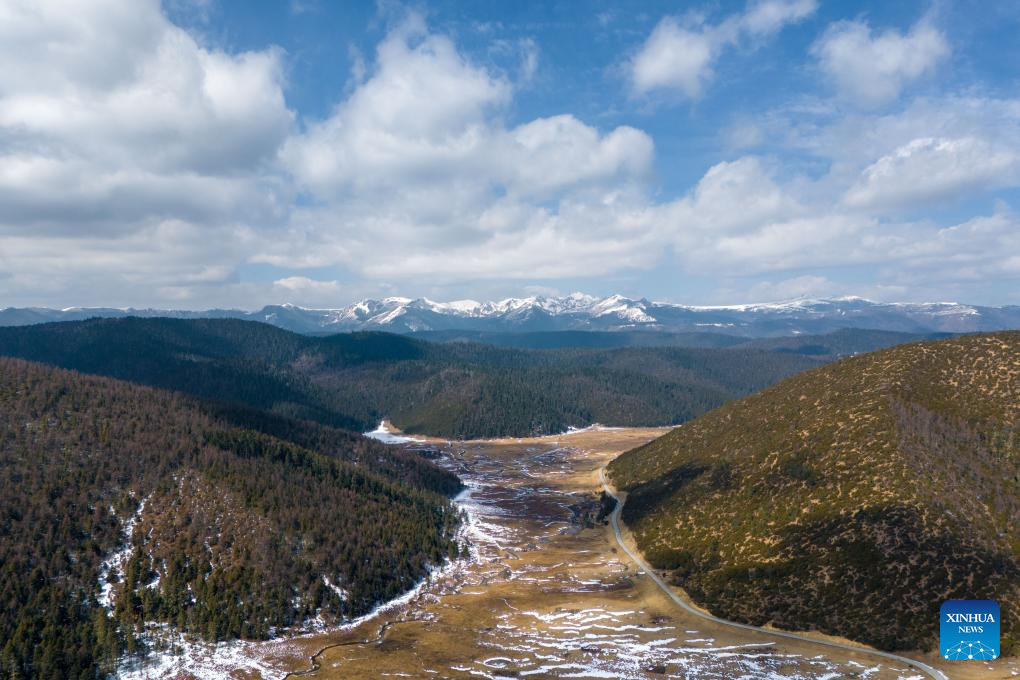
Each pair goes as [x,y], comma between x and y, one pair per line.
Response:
[228,522]
[854,498]
[455,389]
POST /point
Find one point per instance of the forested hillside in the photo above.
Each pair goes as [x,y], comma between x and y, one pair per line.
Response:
[839,343]
[220,522]
[224,359]
[842,343]
[583,339]
[454,390]
[890,481]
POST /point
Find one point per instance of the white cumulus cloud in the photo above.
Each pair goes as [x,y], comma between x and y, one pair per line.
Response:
[872,69]
[933,169]
[674,57]
[139,165]
[121,140]
[680,54]
[415,173]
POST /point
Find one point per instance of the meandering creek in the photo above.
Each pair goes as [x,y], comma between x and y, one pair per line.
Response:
[546,594]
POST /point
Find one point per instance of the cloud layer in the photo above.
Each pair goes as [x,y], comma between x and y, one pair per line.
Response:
[139,165]
[416,174]
[129,154]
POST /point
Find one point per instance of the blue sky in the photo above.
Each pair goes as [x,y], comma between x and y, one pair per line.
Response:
[201,153]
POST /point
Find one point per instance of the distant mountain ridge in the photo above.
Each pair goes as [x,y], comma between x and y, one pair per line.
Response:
[585,313]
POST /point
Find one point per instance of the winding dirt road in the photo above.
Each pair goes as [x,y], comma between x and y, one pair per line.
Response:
[641,564]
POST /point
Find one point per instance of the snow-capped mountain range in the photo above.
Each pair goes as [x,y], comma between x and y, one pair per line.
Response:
[585,312]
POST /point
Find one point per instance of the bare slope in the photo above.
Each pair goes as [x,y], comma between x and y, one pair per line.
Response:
[853,498]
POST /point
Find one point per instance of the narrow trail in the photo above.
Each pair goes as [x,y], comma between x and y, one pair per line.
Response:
[640,562]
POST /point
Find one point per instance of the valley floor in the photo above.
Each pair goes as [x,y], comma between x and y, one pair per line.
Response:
[544,595]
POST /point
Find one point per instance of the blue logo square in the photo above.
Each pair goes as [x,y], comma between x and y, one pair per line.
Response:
[969,630]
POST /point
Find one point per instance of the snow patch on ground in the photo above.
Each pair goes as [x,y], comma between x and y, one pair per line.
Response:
[340,592]
[223,661]
[594,427]
[241,658]
[111,571]
[383,434]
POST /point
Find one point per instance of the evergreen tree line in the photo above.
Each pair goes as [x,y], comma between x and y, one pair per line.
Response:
[242,532]
[352,380]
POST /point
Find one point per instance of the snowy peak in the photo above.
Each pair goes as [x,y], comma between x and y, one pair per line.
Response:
[578,311]
[625,309]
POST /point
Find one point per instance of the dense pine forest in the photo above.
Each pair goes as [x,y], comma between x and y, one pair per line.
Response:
[460,390]
[833,345]
[218,520]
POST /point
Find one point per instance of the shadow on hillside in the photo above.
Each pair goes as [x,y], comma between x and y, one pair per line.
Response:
[648,497]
